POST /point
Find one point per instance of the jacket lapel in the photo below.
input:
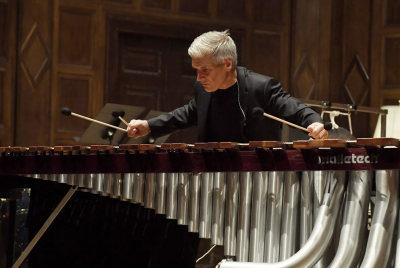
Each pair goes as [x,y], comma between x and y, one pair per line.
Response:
[243,94]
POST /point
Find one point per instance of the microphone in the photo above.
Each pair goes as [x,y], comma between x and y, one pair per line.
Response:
[66,111]
[258,113]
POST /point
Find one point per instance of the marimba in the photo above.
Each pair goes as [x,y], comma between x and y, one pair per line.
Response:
[270,204]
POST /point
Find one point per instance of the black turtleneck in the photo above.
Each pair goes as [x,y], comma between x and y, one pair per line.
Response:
[224,115]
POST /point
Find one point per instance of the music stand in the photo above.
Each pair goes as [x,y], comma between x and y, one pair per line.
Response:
[94,133]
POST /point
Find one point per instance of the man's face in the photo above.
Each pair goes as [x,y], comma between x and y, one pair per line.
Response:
[210,75]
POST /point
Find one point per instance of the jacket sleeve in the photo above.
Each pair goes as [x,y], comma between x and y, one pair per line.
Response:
[180,118]
[282,105]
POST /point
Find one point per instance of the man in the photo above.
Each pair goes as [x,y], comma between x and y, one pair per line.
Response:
[225,95]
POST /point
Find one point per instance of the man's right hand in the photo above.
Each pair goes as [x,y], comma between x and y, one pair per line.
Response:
[138,128]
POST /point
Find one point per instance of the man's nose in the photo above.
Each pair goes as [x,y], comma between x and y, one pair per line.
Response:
[200,76]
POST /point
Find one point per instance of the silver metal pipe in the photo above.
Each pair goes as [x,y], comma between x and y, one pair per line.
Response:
[89,181]
[354,219]
[232,196]
[320,180]
[289,215]
[62,178]
[183,199]
[44,177]
[53,177]
[108,183]
[71,179]
[273,219]
[322,233]
[383,220]
[172,195]
[80,180]
[150,190]
[127,186]
[98,182]
[306,206]
[206,205]
[258,213]
[137,190]
[218,211]
[161,192]
[117,185]
[194,203]
[397,258]
[243,226]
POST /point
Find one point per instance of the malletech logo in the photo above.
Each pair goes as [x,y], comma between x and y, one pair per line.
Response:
[348,159]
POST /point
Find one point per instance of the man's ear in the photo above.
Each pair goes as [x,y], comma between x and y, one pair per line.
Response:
[228,64]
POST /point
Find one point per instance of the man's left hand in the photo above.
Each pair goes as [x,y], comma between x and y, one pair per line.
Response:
[317,131]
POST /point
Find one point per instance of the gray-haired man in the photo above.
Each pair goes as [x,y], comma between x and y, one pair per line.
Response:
[225,95]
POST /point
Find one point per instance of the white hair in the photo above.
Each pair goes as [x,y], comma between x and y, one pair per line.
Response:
[218,45]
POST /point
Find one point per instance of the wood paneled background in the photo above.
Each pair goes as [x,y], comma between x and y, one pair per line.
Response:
[85,53]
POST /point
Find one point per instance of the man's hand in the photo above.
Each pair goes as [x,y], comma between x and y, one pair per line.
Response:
[138,128]
[317,131]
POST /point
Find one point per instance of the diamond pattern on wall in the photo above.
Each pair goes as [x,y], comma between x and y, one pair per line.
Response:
[356,82]
[304,79]
[35,57]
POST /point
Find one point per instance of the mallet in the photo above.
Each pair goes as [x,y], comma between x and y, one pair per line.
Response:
[67,111]
[259,113]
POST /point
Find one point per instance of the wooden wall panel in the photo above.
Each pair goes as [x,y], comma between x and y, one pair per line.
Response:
[3,55]
[3,17]
[311,29]
[392,16]
[385,84]
[74,93]
[75,68]
[141,71]
[33,108]
[305,64]
[269,12]
[232,9]
[76,29]
[157,4]
[149,70]
[2,89]
[391,62]
[271,63]
[35,57]
[354,68]
[118,1]
[199,7]
[8,22]
[34,73]
[270,39]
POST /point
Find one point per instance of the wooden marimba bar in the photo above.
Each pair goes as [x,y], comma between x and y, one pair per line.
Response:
[270,204]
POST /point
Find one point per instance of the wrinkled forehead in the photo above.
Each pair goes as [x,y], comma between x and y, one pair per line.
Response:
[202,63]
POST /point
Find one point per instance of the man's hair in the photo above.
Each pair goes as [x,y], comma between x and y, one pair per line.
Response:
[218,45]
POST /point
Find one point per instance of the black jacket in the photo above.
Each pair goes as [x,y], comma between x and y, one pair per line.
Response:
[255,90]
